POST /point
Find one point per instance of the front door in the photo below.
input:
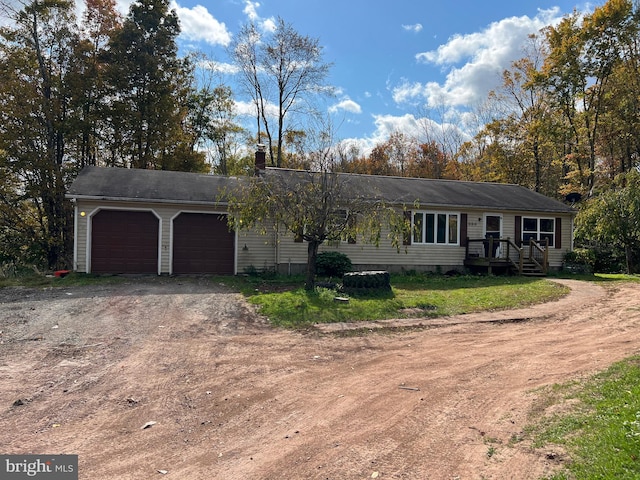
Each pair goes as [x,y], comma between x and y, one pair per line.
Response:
[493,228]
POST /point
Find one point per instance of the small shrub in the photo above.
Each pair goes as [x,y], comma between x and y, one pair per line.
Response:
[332,264]
[251,271]
[580,260]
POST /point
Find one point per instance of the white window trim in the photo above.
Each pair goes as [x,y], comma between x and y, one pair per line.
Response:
[484,223]
[538,231]
[424,232]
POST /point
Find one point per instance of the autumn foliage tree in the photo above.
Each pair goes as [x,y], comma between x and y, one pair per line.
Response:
[35,94]
[105,92]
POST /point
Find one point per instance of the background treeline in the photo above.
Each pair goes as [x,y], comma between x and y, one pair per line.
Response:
[113,91]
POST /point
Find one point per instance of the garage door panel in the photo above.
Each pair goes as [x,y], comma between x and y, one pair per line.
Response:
[202,244]
[124,242]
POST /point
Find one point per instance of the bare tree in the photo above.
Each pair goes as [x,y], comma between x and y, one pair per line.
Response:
[284,71]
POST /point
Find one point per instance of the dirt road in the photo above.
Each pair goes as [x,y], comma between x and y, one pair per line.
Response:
[82,370]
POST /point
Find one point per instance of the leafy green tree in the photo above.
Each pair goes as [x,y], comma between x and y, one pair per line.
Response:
[613,217]
[619,141]
[150,88]
[88,105]
[215,130]
[530,122]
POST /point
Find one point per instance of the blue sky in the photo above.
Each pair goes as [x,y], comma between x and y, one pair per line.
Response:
[393,60]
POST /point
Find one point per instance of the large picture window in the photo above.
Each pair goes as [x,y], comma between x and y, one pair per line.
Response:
[435,228]
[538,229]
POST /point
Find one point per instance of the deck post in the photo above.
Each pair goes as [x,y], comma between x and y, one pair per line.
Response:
[521,262]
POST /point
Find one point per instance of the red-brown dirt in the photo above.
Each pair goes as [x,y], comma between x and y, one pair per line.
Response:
[84,369]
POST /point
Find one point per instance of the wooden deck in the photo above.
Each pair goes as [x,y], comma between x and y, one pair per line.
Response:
[501,255]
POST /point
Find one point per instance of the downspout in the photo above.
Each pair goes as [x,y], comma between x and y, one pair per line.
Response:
[75,236]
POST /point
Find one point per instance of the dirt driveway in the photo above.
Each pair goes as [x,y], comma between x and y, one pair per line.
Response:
[82,370]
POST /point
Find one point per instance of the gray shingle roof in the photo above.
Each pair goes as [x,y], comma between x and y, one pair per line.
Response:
[147,185]
[180,187]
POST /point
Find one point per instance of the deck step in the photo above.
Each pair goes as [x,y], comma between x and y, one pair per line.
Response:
[530,269]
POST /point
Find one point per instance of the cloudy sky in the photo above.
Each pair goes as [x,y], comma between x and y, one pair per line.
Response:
[392,60]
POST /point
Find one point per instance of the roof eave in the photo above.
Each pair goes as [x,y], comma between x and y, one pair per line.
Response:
[143,200]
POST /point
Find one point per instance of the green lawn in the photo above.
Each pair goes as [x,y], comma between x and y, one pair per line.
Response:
[291,306]
[600,431]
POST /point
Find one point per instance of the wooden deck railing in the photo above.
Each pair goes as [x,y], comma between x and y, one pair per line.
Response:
[539,254]
[494,251]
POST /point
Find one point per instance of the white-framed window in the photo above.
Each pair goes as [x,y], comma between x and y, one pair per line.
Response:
[538,229]
[435,228]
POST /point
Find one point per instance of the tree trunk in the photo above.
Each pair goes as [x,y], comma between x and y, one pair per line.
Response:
[628,250]
[312,255]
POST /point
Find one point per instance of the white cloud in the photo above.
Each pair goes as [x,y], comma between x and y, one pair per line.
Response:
[224,68]
[346,105]
[198,24]
[413,28]
[248,109]
[385,125]
[388,124]
[122,6]
[420,128]
[251,11]
[268,25]
[475,61]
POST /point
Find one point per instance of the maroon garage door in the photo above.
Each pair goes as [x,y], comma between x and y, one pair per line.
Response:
[124,242]
[202,243]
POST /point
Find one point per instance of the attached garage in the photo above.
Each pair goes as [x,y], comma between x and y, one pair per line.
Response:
[124,242]
[203,244]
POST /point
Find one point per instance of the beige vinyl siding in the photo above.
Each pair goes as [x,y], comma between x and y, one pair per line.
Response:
[555,255]
[256,251]
[80,241]
[293,255]
[281,252]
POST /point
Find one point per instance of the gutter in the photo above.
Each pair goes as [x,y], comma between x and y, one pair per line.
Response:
[144,200]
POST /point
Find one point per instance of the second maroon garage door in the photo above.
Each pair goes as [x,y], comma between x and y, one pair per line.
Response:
[202,243]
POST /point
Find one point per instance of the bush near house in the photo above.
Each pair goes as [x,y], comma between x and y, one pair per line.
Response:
[332,264]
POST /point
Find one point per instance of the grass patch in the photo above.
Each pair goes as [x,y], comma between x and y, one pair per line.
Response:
[600,428]
[411,296]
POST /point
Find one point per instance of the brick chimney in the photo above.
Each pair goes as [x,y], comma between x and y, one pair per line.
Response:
[261,158]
